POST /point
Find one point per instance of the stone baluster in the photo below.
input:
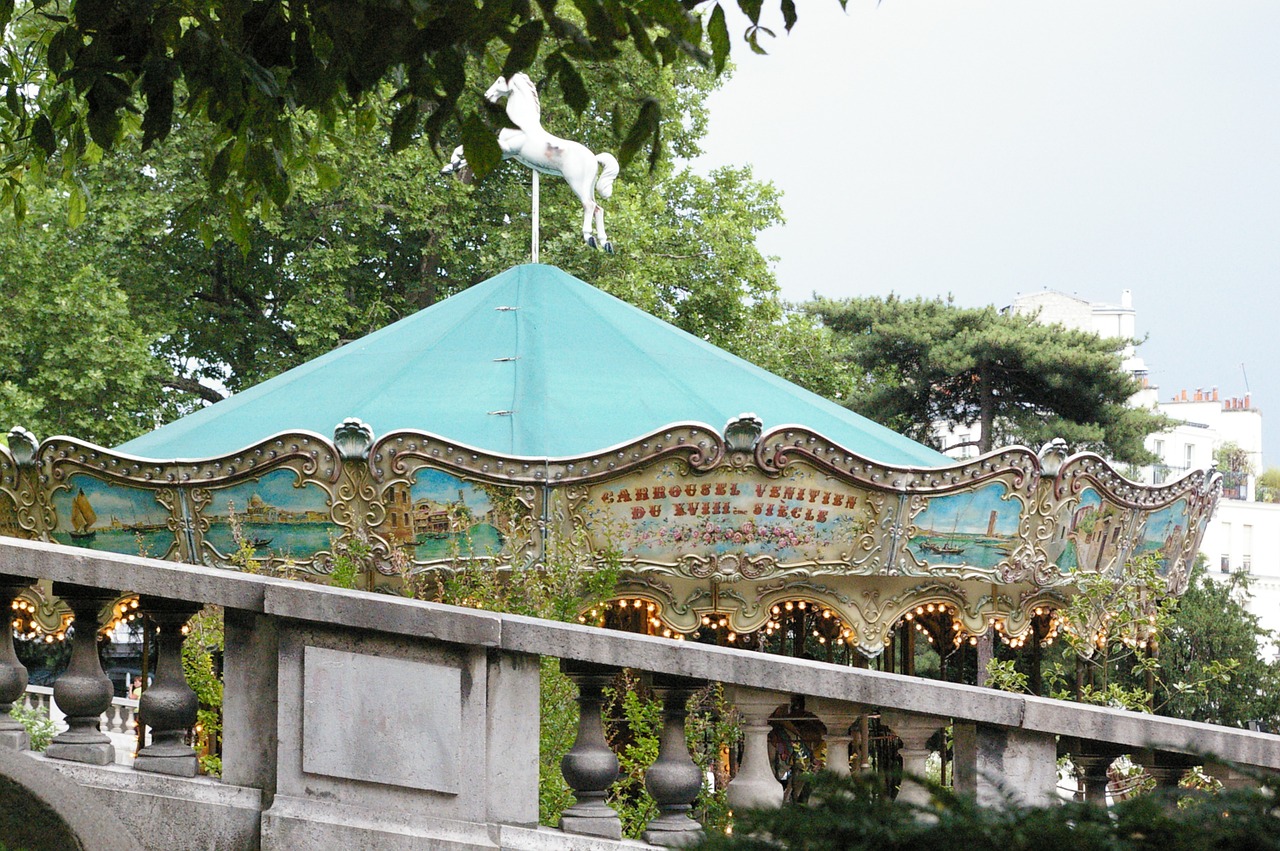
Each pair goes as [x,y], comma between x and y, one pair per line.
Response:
[838,716]
[590,767]
[1091,760]
[755,784]
[13,676]
[674,780]
[915,731]
[1166,768]
[83,692]
[169,705]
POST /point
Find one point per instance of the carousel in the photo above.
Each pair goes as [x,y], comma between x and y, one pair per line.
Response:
[533,417]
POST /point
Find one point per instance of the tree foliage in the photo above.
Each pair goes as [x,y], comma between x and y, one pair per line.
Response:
[75,361]
[1269,485]
[1210,626]
[852,814]
[196,299]
[268,75]
[921,361]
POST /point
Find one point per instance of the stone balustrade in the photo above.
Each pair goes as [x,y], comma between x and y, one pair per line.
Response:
[365,720]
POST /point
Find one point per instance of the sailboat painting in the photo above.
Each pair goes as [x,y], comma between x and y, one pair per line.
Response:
[116,518]
[82,517]
[977,528]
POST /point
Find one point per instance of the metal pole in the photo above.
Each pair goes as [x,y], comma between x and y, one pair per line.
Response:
[535,215]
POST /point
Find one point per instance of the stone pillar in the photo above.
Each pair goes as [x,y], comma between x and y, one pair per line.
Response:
[83,692]
[755,784]
[1230,776]
[1000,765]
[915,731]
[838,716]
[13,676]
[168,706]
[590,767]
[251,701]
[674,780]
[512,728]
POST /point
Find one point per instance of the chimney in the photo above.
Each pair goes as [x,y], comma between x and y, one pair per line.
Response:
[1199,397]
[1184,396]
[1247,406]
[1215,394]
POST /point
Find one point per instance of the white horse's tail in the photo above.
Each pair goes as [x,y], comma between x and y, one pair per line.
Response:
[604,185]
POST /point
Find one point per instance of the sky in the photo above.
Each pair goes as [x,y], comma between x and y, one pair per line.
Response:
[986,148]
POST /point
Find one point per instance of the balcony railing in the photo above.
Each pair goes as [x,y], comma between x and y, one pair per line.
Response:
[351,719]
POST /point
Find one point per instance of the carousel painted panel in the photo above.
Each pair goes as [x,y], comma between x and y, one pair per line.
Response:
[440,503]
[112,516]
[734,520]
[967,532]
[1103,519]
[281,516]
[436,517]
[1164,534]
[1093,534]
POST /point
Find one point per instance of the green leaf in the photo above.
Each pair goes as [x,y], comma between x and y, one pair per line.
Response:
[789,14]
[220,167]
[77,206]
[404,125]
[480,145]
[158,119]
[753,38]
[524,48]
[6,12]
[640,37]
[751,8]
[575,90]
[19,203]
[646,126]
[718,33]
[327,177]
[238,224]
[42,135]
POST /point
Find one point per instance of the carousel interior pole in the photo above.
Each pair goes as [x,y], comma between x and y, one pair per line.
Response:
[535,216]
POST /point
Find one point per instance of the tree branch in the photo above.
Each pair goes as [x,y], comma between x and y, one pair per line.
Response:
[190,385]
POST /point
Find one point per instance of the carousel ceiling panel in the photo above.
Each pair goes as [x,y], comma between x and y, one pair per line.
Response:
[532,362]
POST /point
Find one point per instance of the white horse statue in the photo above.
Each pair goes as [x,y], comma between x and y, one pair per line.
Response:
[535,147]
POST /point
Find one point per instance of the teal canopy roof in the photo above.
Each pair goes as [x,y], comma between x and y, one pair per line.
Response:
[532,362]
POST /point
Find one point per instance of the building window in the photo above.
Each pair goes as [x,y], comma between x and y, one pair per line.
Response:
[1191,454]
[1246,564]
[1225,563]
[1159,449]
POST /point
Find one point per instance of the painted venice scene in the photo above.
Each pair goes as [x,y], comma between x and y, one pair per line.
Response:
[440,517]
[278,515]
[99,515]
[978,528]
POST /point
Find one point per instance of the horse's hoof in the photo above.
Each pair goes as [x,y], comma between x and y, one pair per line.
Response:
[608,248]
[591,242]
